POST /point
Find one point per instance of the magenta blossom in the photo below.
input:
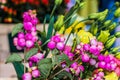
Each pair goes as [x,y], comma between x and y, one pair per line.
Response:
[51,45]
[27,76]
[85,57]
[35,73]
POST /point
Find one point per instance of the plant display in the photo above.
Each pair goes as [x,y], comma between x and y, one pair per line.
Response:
[65,50]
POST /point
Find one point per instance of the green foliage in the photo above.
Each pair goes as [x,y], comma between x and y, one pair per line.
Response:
[45,67]
[18,27]
[30,53]
[63,74]
[19,68]
[50,28]
[14,58]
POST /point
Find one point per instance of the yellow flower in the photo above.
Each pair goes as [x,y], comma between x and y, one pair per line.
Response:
[84,36]
[111,76]
[77,27]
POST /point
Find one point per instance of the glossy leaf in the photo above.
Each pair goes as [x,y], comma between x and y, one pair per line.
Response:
[30,53]
[14,58]
[18,27]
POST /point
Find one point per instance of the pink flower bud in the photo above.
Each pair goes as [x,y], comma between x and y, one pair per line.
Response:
[107,59]
[28,36]
[101,74]
[51,45]
[101,57]
[30,63]
[107,66]
[60,46]
[85,58]
[93,42]
[101,64]
[92,61]
[21,35]
[35,38]
[15,40]
[40,56]
[70,55]
[19,48]
[56,39]
[28,26]
[34,21]
[74,65]
[27,76]
[81,68]
[21,42]
[29,43]
[35,73]
[77,72]
[86,47]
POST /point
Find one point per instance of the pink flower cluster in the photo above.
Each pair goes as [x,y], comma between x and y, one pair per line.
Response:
[57,42]
[35,59]
[29,36]
[75,68]
[98,76]
[35,73]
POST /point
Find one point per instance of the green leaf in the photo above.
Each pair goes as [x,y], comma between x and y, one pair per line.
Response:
[60,58]
[14,58]
[30,53]
[50,28]
[45,67]
[18,27]
[63,74]
[19,68]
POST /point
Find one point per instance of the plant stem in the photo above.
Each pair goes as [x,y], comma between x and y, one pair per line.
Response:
[24,60]
[57,73]
[53,11]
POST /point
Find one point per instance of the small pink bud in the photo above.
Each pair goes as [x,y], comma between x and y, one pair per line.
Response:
[92,61]
[19,48]
[86,47]
[93,42]
[60,46]
[51,45]
[101,64]
[85,58]
[101,74]
[28,26]
[27,76]
[21,42]
[29,43]
[21,35]
[35,73]
[15,40]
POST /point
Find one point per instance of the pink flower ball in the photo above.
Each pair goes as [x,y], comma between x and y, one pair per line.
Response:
[70,55]
[85,58]
[101,57]
[81,68]
[56,39]
[77,71]
[21,35]
[15,41]
[51,45]
[117,71]
[35,73]
[86,47]
[60,45]
[101,74]
[74,65]
[40,56]
[93,49]
[33,29]
[28,36]
[92,61]
[19,48]
[93,42]
[107,66]
[27,76]
[34,21]
[113,66]
[29,43]
[107,59]
[35,38]
[21,42]
[101,64]
[30,63]
[28,26]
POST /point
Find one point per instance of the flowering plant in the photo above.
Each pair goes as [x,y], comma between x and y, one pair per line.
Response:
[66,51]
